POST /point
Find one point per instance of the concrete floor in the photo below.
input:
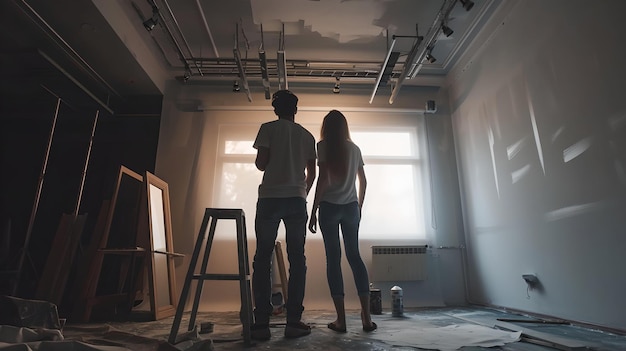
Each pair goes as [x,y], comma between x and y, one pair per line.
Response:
[394,333]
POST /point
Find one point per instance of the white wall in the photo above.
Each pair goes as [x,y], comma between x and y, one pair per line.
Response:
[186,161]
[540,124]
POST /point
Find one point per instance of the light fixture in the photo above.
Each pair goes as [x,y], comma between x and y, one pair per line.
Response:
[187,74]
[151,22]
[429,56]
[467,4]
[386,69]
[236,86]
[446,30]
[240,68]
[337,88]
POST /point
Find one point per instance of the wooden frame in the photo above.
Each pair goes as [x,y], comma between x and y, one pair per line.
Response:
[110,240]
[163,298]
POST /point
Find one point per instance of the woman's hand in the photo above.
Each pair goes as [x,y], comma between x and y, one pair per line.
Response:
[313,222]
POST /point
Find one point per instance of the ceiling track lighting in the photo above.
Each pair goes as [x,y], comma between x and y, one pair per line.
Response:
[430,58]
[236,86]
[337,87]
[429,55]
[467,4]
[151,22]
[446,30]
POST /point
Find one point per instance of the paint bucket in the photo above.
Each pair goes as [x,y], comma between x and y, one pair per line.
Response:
[397,306]
[376,301]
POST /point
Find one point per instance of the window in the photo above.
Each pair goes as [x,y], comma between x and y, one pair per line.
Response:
[394,203]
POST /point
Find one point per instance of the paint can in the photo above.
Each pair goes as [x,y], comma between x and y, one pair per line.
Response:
[397,306]
[376,301]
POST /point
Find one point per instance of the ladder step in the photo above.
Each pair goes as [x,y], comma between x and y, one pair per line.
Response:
[208,276]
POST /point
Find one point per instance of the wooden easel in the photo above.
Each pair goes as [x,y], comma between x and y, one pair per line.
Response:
[112,247]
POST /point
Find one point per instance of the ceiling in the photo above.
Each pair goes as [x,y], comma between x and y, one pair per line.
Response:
[104,45]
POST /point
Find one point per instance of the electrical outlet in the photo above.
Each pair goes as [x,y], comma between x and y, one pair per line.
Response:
[530,279]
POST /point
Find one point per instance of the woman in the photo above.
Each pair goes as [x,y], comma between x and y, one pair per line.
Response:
[340,163]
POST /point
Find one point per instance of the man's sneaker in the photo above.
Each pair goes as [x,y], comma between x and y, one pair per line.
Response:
[260,332]
[296,330]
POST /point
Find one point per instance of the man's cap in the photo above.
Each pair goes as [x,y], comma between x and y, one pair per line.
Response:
[284,99]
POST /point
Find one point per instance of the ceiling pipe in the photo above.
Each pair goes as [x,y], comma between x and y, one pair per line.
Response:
[61,43]
[181,55]
[298,68]
[180,32]
[78,84]
[208,30]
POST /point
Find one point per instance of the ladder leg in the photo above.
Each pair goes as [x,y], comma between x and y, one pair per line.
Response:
[244,280]
[180,309]
[200,283]
[247,271]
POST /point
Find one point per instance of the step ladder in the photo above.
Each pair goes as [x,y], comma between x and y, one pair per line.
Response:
[212,215]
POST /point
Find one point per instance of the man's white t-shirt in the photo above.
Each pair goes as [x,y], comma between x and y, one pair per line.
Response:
[291,146]
[343,192]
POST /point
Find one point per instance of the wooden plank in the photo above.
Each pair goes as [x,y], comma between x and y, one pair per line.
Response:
[280,262]
[78,292]
[52,284]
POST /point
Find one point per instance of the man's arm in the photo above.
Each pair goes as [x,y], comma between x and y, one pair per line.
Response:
[322,185]
[262,158]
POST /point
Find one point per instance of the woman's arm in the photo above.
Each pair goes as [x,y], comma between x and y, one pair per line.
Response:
[362,185]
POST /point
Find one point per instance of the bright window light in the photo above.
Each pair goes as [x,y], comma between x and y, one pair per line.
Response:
[242,147]
[394,203]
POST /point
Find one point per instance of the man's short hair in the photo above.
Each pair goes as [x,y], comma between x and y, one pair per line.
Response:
[284,101]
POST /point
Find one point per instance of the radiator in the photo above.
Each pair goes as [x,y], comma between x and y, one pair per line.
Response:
[398,263]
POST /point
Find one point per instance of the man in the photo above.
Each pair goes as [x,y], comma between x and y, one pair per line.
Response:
[286,155]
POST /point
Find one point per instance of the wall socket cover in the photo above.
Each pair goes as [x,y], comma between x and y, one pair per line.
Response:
[530,279]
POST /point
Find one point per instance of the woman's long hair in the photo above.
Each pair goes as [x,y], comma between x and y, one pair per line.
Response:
[335,132]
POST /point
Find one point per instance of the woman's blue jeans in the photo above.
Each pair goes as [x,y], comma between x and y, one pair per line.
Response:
[348,217]
[269,212]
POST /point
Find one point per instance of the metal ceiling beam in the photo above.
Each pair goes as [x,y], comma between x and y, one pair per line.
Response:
[56,38]
[208,30]
[263,63]
[180,32]
[281,62]
[413,64]
[383,67]
[405,69]
[242,72]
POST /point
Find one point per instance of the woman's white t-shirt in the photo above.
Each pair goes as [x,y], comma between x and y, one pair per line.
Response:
[342,191]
